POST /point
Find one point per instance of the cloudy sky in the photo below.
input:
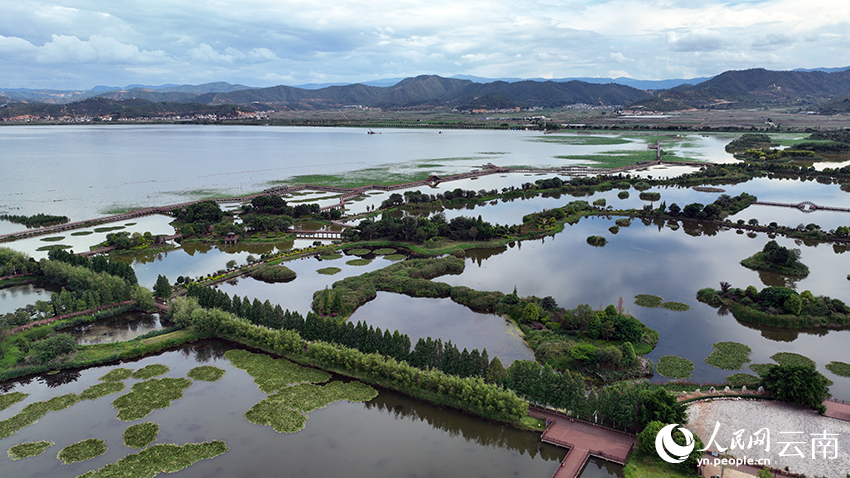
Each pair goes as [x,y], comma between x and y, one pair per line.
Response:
[77,44]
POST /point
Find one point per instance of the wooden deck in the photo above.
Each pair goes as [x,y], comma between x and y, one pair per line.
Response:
[584,440]
[838,409]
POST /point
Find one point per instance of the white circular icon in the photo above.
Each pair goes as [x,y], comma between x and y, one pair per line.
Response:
[669,450]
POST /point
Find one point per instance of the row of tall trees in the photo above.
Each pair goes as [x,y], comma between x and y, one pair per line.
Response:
[427,353]
[471,393]
[13,262]
[97,264]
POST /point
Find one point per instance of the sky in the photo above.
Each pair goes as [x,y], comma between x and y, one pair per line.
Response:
[78,44]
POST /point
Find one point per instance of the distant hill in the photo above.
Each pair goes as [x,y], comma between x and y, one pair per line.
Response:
[133,108]
[169,92]
[839,106]
[760,87]
[639,84]
[431,91]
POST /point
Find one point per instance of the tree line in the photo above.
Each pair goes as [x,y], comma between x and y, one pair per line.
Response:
[427,353]
[97,264]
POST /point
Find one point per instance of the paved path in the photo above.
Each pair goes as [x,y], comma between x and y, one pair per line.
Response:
[584,440]
[837,409]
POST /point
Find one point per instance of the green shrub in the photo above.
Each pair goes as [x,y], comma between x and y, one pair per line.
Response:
[597,241]
[273,273]
[623,194]
[650,196]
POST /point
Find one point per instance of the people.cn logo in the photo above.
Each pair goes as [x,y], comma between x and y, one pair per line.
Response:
[665,446]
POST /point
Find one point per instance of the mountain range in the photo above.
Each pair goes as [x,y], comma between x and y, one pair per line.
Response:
[745,88]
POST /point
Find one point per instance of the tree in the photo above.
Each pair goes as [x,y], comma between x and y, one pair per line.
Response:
[530,314]
[162,288]
[496,372]
[646,438]
[629,355]
[798,384]
[231,264]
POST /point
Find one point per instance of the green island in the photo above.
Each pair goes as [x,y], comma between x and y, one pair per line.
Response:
[778,306]
[206,373]
[146,396]
[776,258]
[37,220]
[729,356]
[154,460]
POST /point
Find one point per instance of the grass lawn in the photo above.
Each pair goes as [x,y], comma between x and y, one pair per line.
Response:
[643,467]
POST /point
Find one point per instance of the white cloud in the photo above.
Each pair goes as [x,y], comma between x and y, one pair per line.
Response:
[696,40]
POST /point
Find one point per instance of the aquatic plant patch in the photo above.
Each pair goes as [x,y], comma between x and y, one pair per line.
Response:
[53,247]
[28,449]
[580,140]
[743,379]
[82,451]
[33,412]
[395,257]
[116,375]
[141,434]
[101,390]
[52,239]
[647,300]
[729,355]
[164,458]
[206,373]
[790,358]
[623,222]
[671,366]
[272,374]
[383,251]
[645,196]
[108,228]
[359,252]
[330,256]
[150,371]
[329,271]
[283,410]
[761,368]
[148,396]
[9,399]
[82,233]
[839,368]
[677,306]
[359,262]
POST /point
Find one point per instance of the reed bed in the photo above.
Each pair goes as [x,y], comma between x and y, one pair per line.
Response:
[148,396]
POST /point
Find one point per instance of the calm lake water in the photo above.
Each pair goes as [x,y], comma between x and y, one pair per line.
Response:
[87,171]
[118,328]
[389,436]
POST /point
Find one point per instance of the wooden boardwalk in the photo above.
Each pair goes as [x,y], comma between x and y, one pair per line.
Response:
[584,440]
[838,409]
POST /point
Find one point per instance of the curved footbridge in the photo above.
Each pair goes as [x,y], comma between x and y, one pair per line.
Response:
[584,440]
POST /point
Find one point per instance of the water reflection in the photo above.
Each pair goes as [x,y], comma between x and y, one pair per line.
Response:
[389,437]
[118,328]
[470,429]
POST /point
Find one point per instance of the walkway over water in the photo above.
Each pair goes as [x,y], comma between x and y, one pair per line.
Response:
[347,193]
[805,206]
[584,440]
